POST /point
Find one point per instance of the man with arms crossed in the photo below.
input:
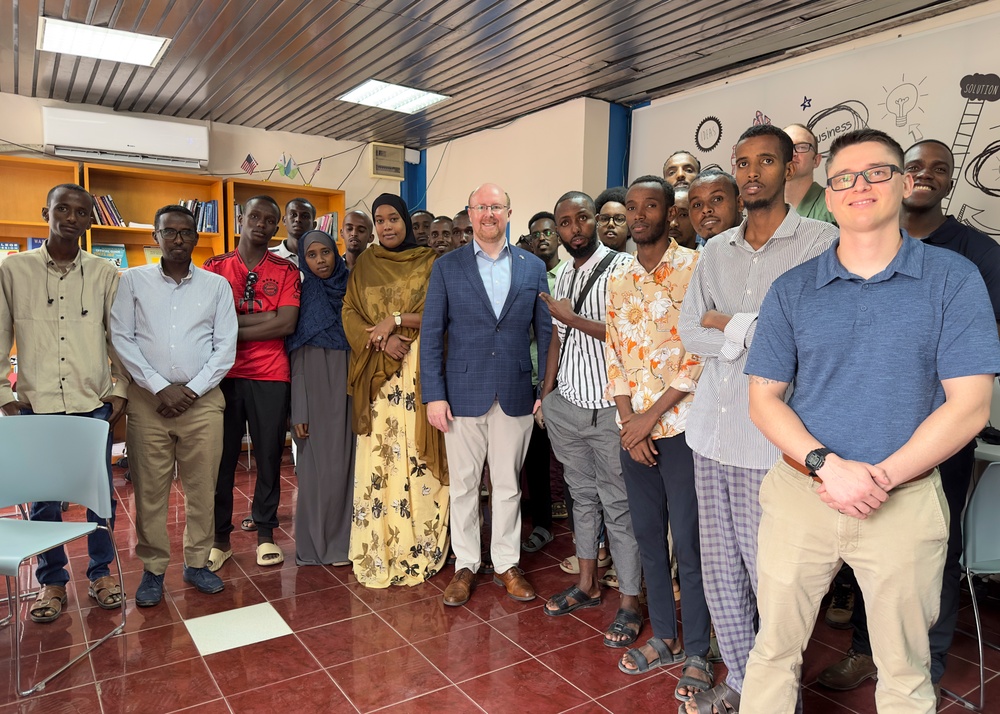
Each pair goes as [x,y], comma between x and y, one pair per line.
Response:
[718,321]
[56,301]
[481,302]
[174,328]
[893,348]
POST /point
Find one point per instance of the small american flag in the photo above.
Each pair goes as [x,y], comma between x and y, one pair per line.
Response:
[249,164]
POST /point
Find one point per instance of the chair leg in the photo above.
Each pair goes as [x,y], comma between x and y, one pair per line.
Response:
[11,604]
[979,641]
[120,628]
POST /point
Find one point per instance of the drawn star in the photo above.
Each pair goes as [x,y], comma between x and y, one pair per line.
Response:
[806,103]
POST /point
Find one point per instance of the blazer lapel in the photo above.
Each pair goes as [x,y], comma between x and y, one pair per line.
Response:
[517,271]
[471,265]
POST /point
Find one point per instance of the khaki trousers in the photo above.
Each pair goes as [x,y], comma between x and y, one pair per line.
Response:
[194,441]
[897,554]
[470,441]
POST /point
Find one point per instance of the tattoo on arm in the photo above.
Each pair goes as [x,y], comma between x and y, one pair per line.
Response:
[763,380]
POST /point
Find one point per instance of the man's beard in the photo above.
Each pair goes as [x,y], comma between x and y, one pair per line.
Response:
[585,250]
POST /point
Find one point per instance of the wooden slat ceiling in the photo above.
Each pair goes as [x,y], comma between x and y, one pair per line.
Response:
[281,64]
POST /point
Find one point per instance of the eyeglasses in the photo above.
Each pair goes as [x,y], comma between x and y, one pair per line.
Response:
[250,293]
[876,174]
[804,148]
[495,208]
[547,233]
[618,219]
[187,235]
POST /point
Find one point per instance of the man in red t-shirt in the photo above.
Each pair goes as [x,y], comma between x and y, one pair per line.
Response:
[257,389]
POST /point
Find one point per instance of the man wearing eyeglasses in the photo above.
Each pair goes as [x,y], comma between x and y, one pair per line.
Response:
[892,345]
[482,302]
[265,289]
[801,192]
[174,328]
[718,322]
[611,223]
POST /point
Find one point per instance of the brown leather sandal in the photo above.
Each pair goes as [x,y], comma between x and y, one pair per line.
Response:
[107,593]
[49,603]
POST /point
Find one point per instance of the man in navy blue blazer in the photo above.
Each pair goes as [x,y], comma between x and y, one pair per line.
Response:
[475,377]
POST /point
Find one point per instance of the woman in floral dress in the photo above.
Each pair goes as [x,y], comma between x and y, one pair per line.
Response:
[399,529]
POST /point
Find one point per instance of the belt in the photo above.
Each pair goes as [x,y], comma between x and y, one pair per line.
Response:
[804,471]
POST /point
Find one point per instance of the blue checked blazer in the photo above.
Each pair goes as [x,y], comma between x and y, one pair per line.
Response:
[488,359]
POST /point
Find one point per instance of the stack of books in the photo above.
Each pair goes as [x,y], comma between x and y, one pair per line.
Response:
[206,214]
[106,212]
[328,223]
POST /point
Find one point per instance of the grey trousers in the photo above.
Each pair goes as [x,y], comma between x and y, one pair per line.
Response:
[586,442]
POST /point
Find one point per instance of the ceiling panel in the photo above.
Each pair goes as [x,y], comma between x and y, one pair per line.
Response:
[281,64]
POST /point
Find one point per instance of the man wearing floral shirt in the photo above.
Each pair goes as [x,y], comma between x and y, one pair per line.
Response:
[652,381]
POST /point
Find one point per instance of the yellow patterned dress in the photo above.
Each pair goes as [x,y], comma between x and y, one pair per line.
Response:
[399,519]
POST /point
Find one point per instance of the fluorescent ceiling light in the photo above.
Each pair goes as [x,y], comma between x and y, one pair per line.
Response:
[75,38]
[392,96]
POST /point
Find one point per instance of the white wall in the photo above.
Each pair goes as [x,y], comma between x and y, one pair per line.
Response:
[849,86]
[21,123]
[536,159]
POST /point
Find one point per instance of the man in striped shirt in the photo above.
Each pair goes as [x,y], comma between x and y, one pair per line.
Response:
[174,327]
[718,321]
[581,421]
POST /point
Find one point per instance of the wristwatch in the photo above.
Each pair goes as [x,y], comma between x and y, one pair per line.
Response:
[815,459]
[398,317]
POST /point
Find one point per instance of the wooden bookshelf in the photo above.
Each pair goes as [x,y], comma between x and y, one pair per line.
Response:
[24,184]
[138,194]
[326,200]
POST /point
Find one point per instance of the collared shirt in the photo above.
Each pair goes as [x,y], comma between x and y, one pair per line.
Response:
[174,333]
[583,367]
[281,250]
[733,278]
[923,319]
[813,205]
[644,352]
[552,275]
[66,363]
[495,274]
[977,247]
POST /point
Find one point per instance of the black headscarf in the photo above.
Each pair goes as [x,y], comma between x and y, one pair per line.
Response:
[320,322]
[389,199]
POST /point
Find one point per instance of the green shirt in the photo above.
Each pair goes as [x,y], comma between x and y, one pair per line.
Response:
[813,205]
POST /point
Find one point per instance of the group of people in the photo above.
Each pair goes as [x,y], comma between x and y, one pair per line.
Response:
[420,369]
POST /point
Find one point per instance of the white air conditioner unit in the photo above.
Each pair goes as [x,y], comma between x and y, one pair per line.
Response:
[99,137]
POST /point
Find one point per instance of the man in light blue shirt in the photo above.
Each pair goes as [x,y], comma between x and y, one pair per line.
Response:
[174,327]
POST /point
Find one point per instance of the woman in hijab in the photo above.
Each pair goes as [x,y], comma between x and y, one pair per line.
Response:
[399,529]
[321,408]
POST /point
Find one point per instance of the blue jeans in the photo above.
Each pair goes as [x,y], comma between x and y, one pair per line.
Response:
[52,563]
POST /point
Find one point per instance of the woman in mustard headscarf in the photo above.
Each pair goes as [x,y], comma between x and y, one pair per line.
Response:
[399,528]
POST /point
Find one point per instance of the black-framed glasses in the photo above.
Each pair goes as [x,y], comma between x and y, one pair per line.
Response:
[250,292]
[547,233]
[187,235]
[804,148]
[876,174]
[618,219]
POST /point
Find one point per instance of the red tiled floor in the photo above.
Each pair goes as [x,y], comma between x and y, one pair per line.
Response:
[396,650]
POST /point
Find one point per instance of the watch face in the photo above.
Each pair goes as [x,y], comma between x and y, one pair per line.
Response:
[814,460]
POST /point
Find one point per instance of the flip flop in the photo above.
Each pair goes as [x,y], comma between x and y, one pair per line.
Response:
[610,578]
[217,558]
[620,626]
[247,524]
[269,549]
[572,564]
[664,658]
[566,607]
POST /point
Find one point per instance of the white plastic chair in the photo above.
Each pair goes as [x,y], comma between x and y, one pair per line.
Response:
[50,458]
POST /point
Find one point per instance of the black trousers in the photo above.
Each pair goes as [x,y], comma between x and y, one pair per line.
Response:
[956,473]
[538,479]
[264,407]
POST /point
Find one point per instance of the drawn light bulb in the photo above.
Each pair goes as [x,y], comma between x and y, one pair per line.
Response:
[901,101]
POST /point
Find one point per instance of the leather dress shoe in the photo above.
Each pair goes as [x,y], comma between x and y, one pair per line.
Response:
[518,588]
[849,672]
[460,588]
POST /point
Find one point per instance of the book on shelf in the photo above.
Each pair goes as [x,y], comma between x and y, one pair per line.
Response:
[237,218]
[112,252]
[206,214]
[34,243]
[106,212]
[328,223]
[152,253]
[8,248]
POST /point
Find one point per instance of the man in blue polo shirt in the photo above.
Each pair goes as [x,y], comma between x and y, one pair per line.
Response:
[892,347]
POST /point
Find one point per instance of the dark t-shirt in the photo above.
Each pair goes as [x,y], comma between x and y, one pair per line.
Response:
[977,247]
